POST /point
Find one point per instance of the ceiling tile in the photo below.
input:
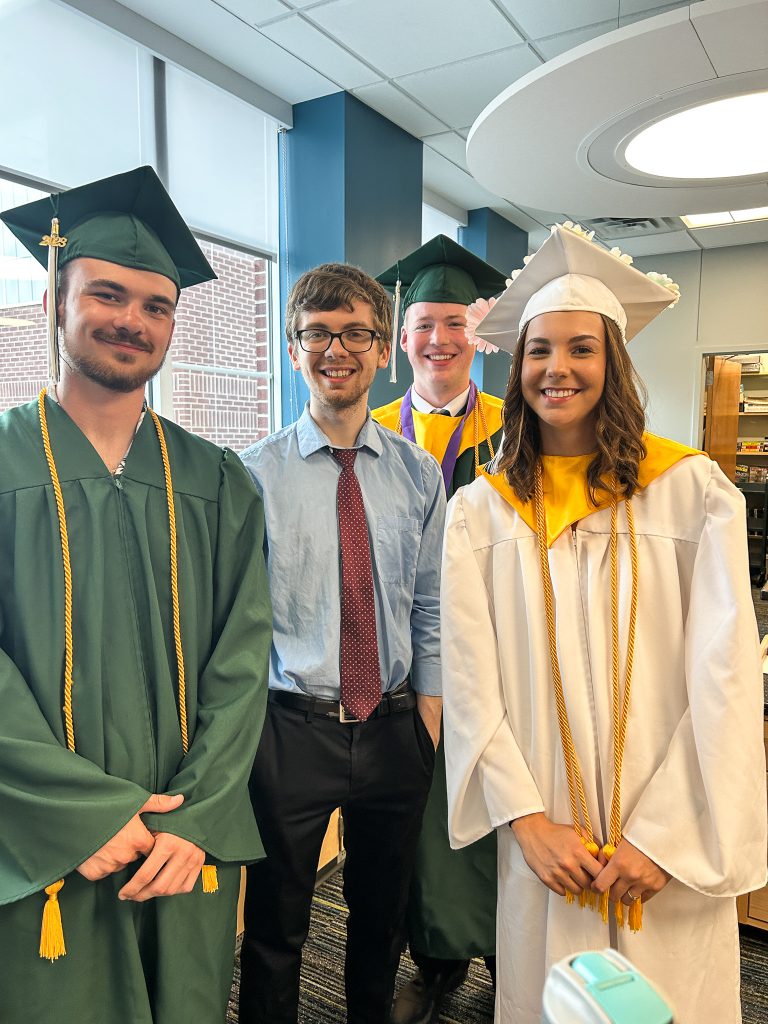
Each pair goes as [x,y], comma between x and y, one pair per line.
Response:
[450,145]
[464,132]
[539,19]
[732,234]
[320,52]
[651,245]
[553,46]
[399,108]
[399,36]
[222,35]
[648,8]
[630,17]
[457,93]
[255,12]
[546,218]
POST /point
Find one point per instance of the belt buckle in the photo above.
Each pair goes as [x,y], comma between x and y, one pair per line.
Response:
[345,717]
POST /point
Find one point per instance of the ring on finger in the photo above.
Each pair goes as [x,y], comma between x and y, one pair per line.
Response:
[629,893]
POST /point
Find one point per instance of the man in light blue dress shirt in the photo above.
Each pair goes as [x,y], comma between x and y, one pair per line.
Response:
[311,759]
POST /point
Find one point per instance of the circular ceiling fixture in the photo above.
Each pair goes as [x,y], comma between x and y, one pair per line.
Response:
[628,122]
[720,139]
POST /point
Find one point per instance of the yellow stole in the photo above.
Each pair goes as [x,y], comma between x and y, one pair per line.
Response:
[566,494]
[434,432]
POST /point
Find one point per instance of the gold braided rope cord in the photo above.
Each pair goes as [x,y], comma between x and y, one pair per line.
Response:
[69,728]
[52,948]
[475,424]
[619,706]
[182,682]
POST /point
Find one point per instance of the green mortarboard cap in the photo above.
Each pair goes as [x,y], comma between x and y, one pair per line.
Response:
[128,219]
[443,271]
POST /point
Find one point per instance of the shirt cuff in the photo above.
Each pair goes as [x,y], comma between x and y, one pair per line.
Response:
[427,680]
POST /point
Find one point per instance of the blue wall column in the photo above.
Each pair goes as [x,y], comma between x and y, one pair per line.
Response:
[351,192]
[503,245]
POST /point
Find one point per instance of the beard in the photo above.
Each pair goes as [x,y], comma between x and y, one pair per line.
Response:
[109,376]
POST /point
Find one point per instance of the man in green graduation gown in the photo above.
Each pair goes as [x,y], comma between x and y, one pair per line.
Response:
[452,908]
[134,634]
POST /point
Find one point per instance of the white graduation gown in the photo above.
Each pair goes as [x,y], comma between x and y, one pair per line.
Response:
[693,785]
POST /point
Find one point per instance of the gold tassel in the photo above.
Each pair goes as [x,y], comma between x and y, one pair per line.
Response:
[592,847]
[569,897]
[210,878]
[583,898]
[51,933]
[618,910]
[636,915]
[603,906]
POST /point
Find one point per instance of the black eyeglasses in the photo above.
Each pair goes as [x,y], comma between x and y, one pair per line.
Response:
[356,339]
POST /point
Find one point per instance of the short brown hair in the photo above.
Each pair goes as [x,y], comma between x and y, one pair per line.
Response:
[620,426]
[338,284]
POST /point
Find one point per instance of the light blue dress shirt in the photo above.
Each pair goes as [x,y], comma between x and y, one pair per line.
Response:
[404,499]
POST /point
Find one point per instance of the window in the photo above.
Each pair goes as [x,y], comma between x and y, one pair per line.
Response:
[23,332]
[435,222]
[219,155]
[219,359]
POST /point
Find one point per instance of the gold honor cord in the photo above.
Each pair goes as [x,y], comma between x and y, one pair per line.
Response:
[52,935]
[475,423]
[619,706]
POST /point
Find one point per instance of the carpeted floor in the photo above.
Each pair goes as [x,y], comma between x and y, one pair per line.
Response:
[322,981]
[322,985]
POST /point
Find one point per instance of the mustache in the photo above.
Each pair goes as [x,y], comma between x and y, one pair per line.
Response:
[123,338]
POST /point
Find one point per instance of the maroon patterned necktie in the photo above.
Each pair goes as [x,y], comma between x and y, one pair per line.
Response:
[359,656]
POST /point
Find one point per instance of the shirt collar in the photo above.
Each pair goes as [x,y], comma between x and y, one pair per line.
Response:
[311,438]
[455,407]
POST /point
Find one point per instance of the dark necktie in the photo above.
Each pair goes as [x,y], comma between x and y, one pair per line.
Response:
[359,655]
[440,412]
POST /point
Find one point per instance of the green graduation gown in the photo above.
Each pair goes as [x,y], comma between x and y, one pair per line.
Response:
[452,904]
[168,960]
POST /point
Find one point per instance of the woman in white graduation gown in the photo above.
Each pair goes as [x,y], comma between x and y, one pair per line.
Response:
[603,698]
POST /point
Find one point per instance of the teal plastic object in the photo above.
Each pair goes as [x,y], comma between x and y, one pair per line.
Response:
[624,995]
[601,988]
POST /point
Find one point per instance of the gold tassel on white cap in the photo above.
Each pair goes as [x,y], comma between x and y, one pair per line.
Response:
[54,241]
[395,336]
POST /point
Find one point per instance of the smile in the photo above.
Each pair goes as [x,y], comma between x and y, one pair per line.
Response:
[560,392]
[337,374]
[444,358]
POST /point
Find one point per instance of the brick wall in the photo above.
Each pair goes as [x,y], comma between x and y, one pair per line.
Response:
[221,340]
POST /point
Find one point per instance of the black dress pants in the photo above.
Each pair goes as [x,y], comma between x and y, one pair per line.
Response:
[379,773]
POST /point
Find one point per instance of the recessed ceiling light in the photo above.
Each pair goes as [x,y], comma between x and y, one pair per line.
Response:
[723,139]
[758,213]
[706,220]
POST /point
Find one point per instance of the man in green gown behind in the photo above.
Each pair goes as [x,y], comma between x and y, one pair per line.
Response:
[452,906]
[134,634]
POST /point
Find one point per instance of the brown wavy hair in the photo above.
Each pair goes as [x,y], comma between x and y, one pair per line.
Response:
[619,429]
[333,285]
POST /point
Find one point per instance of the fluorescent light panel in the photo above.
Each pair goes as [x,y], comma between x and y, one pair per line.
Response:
[711,220]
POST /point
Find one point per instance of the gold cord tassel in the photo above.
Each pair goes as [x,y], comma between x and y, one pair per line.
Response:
[51,933]
[210,878]
[636,915]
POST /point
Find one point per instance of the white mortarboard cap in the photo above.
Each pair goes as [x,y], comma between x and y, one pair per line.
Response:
[571,272]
